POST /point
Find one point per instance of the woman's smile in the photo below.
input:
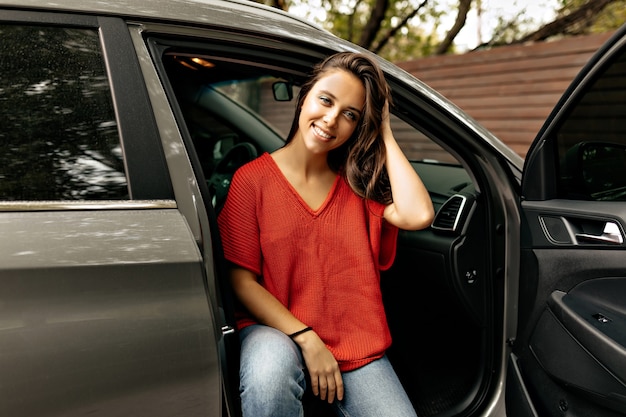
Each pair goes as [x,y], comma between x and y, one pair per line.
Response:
[321,133]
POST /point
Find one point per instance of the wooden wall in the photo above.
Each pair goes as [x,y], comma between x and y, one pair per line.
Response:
[510,90]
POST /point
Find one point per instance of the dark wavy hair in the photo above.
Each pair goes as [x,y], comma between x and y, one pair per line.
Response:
[361,160]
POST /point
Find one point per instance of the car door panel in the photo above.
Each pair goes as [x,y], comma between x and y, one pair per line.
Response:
[583,326]
[582,281]
[570,355]
[104,312]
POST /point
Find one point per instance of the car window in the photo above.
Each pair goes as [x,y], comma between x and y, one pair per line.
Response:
[59,137]
[227,103]
[591,144]
[217,98]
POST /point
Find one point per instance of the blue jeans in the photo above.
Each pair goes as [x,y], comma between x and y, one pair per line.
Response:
[273,381]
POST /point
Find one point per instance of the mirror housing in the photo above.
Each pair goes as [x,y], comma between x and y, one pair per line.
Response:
[283,91]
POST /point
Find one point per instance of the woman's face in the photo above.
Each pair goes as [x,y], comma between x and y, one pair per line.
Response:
[331,111]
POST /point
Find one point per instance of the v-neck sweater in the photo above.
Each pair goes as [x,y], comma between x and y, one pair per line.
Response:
[322,264]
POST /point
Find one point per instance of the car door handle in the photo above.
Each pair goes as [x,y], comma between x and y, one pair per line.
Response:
[227,330]
[611,234]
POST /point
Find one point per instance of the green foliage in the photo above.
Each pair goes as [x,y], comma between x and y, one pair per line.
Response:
[610,19]
[414,38]
[414,28]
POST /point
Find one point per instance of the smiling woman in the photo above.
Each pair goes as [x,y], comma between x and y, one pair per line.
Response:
[297,323]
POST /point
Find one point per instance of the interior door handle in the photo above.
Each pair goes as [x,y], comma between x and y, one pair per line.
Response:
[611,234]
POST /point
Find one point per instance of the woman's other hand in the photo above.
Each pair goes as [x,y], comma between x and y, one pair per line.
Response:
[326,381]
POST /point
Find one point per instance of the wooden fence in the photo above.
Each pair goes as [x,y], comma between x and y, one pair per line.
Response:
[510,90]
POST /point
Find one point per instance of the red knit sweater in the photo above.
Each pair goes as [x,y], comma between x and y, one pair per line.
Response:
[323,264]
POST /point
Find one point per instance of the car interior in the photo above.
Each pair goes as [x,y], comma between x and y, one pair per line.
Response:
[438,293]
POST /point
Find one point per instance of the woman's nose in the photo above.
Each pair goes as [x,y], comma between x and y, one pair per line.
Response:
[330,118]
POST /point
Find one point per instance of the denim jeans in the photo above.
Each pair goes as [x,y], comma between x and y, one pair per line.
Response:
[273,381]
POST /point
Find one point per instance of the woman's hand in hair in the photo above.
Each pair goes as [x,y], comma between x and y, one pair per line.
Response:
[412,208]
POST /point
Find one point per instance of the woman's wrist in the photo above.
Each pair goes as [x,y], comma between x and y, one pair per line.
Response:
[304,337]
[299,332]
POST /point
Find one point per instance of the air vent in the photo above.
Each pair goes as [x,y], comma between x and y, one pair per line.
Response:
[448,216]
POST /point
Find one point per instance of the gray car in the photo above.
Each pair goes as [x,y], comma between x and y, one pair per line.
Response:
[122,124]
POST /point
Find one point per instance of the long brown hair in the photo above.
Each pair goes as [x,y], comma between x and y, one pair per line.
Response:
[361,160]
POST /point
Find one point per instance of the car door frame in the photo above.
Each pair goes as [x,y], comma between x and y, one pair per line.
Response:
[565,281]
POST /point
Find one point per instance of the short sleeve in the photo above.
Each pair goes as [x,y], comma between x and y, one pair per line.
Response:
[238,223]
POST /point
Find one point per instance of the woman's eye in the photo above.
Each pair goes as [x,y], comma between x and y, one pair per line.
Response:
[350,115]
[324,99]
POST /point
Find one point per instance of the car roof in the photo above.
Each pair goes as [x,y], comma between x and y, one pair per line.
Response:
[241,15]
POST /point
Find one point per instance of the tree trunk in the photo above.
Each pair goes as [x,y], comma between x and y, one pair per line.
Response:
[373,24]
[444,46]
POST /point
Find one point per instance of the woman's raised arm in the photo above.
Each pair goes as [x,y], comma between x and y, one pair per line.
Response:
[412,208]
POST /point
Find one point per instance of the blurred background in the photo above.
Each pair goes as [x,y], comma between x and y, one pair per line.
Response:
[401,30]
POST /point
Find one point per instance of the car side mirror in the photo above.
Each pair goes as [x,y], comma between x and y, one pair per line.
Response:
[283,91]
[598,170]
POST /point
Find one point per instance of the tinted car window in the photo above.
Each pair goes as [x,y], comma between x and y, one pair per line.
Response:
[592,142]
[59,138]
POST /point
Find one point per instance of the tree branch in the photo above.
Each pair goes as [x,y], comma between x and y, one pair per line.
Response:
[381,44]
[583,15]
[444,46]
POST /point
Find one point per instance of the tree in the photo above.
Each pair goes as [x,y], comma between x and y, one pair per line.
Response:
[446,44]
[395,29]
[391,28]
[408,29]
[574,18]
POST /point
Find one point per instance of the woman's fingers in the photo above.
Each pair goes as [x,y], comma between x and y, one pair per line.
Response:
[328,386]
[335,388]
[323,388]
[315,386]
[326,381]
[339,385]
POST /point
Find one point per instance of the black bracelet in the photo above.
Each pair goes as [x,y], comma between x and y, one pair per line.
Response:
[299,332]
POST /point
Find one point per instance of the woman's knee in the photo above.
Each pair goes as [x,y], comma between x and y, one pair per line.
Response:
[271,371]
[269,355]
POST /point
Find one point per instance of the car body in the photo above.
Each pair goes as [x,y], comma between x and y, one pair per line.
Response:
[122,125]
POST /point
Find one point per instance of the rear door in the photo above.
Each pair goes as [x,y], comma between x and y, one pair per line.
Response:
[103,295]
[570,354]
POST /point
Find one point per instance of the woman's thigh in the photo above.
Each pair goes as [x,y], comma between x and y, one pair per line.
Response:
[272,378]
[374,390]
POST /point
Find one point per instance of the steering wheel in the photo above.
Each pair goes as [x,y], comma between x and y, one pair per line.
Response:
[222,175]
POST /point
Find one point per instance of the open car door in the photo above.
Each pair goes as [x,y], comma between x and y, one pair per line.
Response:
[570,354]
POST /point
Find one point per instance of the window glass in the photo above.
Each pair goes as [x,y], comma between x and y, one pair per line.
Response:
[59,138]
[591,144]
[228,103]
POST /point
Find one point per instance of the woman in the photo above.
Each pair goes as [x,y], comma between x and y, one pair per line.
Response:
[307,230]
